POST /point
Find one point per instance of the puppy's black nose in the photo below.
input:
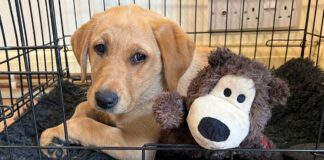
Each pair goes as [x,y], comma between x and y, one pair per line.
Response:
[213,129]
[106,99]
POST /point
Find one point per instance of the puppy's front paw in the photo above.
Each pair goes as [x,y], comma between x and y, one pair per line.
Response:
[49,138]
[169,110]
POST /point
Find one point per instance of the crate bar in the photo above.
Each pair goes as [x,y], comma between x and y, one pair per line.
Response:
[305,29]
[143,151]
[14,57]
[257,31]
[192,146]
[149,4]
[72,147]
[162,147]
[29,81]
[10,87]
[197,148]
[19,48]
[211,22]
[59,70]
[289,28]
[46,45]
[42,33]
[195,27]
[89,8]
[272,34]
[50,28]
[49,34]
[25,32]
[27,72]
[320,39]
[18,52]
[164,7]
[8,64]
[236,31]
[75,17]
[312,35]
[319,136]
[30,47]
[316,35]
[103,3]
[64,43]
[225,37]
[280,40]
[143,154]
[34,38]
[241,33]
[5,124]
[232,155]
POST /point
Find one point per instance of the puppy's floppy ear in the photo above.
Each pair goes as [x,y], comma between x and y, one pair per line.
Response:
[278,92]
[176,49]
[80,45]
[219,56]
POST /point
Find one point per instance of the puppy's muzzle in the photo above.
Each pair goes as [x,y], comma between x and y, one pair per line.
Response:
[106,99]
[213,129]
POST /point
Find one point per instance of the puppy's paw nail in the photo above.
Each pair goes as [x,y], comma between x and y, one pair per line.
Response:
[59,153]
[51,150]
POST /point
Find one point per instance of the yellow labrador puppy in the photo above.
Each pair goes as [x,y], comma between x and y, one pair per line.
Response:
[134,55]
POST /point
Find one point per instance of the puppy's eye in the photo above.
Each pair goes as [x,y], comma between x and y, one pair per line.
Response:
[227,92]
[137,58]
[100,49]
[241,98]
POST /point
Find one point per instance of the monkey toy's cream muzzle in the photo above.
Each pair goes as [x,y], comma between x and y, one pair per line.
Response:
[217,124]
[220,119]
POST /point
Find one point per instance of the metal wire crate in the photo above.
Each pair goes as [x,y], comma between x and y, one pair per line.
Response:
[35,51]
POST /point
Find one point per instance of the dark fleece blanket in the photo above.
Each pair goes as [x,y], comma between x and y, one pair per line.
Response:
[48,113]
[298,121]
[292,124]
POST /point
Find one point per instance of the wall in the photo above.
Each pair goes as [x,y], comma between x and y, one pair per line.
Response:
[187,22]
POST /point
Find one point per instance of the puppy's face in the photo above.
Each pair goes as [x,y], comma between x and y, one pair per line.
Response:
[134,54]
[125,65]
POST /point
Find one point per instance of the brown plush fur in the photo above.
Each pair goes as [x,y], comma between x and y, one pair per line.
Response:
[270,91]
[169,117]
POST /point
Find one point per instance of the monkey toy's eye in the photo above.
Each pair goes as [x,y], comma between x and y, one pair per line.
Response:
[240,98]
[227,92]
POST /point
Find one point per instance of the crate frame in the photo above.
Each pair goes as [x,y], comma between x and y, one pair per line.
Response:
[59,48]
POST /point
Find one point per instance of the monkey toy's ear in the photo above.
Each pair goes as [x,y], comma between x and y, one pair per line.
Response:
[278,92]
[169,110]
[219,57]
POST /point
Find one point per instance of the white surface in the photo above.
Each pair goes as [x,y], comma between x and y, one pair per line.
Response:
[250,17]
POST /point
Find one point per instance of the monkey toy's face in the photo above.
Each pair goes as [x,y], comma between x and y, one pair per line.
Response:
[220,119]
